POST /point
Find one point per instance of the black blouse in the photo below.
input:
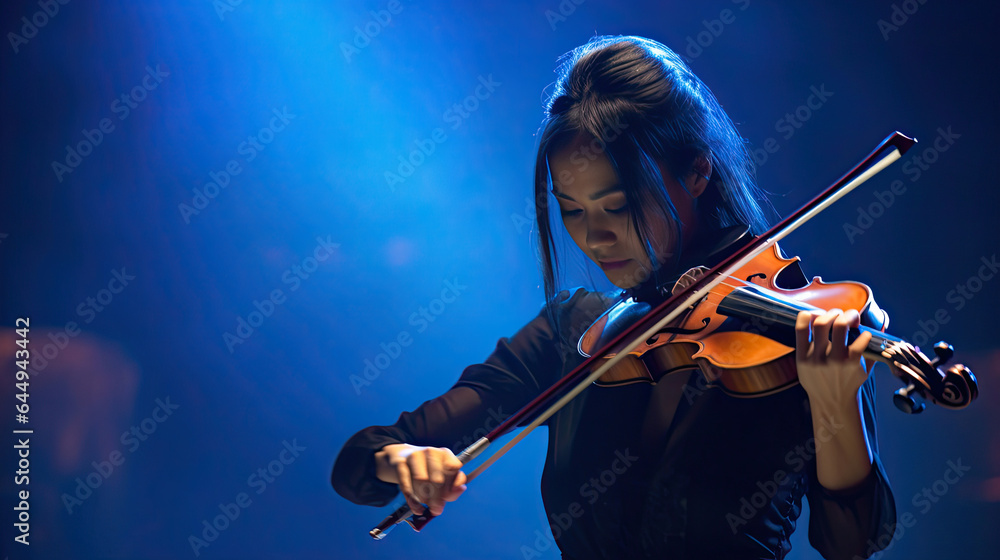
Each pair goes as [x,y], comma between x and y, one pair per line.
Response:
[672,470]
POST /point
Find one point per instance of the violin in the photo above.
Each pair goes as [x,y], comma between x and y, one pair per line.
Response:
[700,325]
[713,336]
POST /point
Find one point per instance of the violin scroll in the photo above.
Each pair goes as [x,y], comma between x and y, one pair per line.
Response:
[953,388]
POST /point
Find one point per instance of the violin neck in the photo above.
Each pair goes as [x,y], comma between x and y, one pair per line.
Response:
[769,315]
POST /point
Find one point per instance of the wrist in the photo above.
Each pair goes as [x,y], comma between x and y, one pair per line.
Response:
[844,405]
[836,420]
[384,469]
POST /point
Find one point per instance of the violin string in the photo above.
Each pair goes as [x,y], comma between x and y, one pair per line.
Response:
[742,284]
[716,298]
[877,335]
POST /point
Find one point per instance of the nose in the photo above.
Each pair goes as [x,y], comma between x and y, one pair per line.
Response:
[600,234]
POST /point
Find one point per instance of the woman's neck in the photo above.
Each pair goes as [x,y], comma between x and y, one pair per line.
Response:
[707,249]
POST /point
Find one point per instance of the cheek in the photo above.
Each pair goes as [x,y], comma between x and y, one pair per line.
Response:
[661,238]
[631,234]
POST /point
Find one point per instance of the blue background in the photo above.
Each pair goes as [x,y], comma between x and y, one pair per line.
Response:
[460,216]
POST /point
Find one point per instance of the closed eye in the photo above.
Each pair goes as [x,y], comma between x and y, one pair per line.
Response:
[621,210]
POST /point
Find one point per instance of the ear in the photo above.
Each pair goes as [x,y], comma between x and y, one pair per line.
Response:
[700,176]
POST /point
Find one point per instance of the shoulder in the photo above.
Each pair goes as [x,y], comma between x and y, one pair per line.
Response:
[575,310]
[579,299]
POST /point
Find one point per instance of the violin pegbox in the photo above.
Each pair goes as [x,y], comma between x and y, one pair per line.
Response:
[954,388]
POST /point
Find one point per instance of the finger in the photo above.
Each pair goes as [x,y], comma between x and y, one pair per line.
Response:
[821,334]
[802,328]
[406,487]
[458,488]
[418,469]
[857,348]
[436,475]
[838,337]
[435,467]
[451,467]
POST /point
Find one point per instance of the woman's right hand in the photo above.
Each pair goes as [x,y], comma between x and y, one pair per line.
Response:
[425,475]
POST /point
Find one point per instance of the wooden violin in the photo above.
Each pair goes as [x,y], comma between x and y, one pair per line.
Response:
[741,336]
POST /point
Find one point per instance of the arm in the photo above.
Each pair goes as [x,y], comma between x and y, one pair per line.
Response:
[486,394]
[852,508]
[856,521]
[442,422]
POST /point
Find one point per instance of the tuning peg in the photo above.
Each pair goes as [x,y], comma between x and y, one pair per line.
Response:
[944,352]
[905,401]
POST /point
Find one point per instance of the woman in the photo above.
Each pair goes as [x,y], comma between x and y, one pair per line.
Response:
[651,178]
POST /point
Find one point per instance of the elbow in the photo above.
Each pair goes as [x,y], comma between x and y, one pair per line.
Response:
[343,477]
[880,541]
[353,477]
[858,526]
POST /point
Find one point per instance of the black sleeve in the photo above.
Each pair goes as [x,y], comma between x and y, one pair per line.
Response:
[486,394]
[849,523]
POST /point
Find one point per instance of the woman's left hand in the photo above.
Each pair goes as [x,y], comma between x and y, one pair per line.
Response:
[830,370]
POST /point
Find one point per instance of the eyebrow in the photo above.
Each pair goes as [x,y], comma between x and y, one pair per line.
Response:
[599,194]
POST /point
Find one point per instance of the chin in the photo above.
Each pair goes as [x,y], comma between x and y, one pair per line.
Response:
[628,277]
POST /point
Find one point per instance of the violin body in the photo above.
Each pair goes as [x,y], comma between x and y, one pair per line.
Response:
[741,335]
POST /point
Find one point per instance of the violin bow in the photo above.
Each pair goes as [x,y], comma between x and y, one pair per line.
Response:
[887,152]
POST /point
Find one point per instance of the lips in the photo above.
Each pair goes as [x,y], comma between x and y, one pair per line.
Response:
[611,265]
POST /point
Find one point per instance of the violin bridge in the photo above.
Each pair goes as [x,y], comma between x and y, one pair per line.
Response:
[688,278]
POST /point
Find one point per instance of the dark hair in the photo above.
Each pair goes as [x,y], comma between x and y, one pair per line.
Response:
[641,105]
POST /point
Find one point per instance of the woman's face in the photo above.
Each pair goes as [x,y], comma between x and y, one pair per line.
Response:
[596,216]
